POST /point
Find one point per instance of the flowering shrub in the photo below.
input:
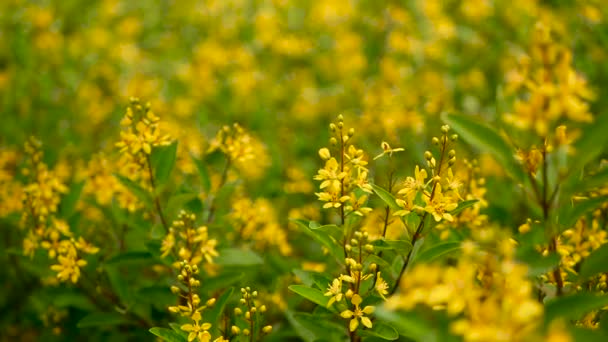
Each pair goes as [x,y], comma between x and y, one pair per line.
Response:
[233,170]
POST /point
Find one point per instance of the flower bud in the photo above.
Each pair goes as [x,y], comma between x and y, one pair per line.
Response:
[324,153]
[267,329]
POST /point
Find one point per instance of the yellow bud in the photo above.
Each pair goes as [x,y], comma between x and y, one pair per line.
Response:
[246,332]
[267,329]
[324,153]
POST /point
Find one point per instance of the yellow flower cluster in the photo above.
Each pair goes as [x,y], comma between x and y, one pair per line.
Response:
[357,251]
[140,133]
[472,187]
[441,193]
[256,221]
[242,150]
[188,242]
[489,298]
[191,306]
[551,89]
[252,316]
[101,183]
[341,177]
[10,190]
[41,197]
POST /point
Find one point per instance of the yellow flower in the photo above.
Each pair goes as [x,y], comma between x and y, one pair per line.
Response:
[381,286]
[196,330]
[440,206]
[358,314]
[335,291]
[386,149]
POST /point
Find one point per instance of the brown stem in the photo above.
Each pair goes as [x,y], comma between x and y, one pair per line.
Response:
[159,208]
[223,179]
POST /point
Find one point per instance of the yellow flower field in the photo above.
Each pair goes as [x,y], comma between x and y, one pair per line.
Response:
[290,170]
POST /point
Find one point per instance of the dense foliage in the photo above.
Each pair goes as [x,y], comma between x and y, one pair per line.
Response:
[341,170]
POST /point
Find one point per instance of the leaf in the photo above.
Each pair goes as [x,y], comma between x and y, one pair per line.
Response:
[591,182]
[386,196]
[163,160]
[541,264]
[167,334]
[134,256]
[68,202]
[221,281]
[400,246]
[463,205]
[102,319]
[323,238]
[436,251]
[238,257]
[590,145]
[573,213]
[305,276]
[178,202]
[314,295]
[214,314]
[135,189]
[328,227]
[315,327]
[574,306]
[408,324]
[381,330]
[596,262]
[119,284]
[203,173]
[177,328]
[488,140]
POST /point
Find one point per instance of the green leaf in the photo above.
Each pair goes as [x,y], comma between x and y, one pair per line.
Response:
[68,202]
[591,182]
[223,280]
[97,319]
[381,330]
[214,314]
[436,251]
[400,246]
[135,189]
[596,262]
[179,202]
[314,327]
[238,257]
[386,196]
[488,140]
[203,173]
[463,205]
[328,227]
[177,328]
[323,238]
[408,324]
[163,160]
[134,256]
[539,264]
[119,284]
[167,334]
[574,306]
[306,277]
[573,213]
[590,145]
[314,295]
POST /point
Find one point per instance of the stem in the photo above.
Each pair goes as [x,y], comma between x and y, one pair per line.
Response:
[159,209]
[420,227]
[546,205]
[223,179]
